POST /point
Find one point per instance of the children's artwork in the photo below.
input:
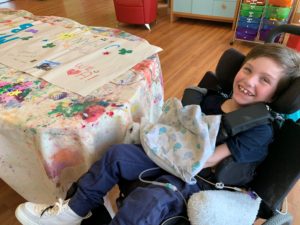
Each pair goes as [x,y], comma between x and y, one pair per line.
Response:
[72,58]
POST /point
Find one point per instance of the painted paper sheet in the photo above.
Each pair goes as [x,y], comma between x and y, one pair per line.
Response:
[72,58]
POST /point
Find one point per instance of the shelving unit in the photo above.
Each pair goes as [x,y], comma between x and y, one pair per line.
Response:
[257,17]
[215,10]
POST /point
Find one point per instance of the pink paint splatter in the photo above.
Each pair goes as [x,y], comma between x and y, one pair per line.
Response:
[3,83]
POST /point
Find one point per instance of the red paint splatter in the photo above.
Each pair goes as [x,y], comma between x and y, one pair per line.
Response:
[43,84]
[72,72]
[110,113]
[92,113]
[6,21]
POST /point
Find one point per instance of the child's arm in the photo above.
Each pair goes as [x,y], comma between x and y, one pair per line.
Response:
[220,153]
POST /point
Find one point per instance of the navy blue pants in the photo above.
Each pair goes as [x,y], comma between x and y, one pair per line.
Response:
[148,205]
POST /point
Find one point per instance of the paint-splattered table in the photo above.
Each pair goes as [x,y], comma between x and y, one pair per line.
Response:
[50,136]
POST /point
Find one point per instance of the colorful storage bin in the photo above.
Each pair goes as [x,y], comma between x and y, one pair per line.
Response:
[273,23]
[258,17]
[249,19]
[256,2]
[274,12]
[264,33]
[243,36]
[248,22]
[281,3]
[248,25]
[251,13]
[294,42]
[258,8]
[243,30]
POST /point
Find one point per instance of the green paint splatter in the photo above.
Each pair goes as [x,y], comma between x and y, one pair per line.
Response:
[124,51]
[26,38]
[50,45]
[5,88]
[71,110]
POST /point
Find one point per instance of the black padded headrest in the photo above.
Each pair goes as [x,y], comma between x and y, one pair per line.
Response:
[230,63]
[289,101]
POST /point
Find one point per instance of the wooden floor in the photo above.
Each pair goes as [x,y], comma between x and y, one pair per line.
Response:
[190,48]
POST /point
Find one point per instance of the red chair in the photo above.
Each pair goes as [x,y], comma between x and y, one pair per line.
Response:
[136,11]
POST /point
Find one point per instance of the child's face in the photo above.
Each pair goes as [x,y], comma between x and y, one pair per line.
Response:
[256,81]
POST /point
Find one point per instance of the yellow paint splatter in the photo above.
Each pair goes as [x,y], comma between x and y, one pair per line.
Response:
[14,93]
[134,108]
[20,79]
[66,36]
[65,104]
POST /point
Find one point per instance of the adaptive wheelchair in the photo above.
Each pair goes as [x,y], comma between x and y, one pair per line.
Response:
[275,176]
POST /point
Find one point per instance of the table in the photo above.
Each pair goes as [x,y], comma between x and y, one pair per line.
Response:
[50,136]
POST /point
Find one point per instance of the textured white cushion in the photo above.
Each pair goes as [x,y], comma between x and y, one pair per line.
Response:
[220,207]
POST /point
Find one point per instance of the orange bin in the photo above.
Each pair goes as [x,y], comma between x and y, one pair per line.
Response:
[294,42]
[281,3]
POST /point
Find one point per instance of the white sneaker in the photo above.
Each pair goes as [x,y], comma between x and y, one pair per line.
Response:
[39,214]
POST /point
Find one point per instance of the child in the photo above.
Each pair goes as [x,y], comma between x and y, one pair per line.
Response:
[266,71]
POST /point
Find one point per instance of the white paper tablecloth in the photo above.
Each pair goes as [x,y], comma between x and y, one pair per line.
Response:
[50,136]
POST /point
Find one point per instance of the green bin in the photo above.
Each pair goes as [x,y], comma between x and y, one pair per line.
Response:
[252,7]
[251,13]
[274,12]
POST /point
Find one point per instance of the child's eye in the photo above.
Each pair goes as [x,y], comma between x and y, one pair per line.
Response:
[266,80]
[247,69]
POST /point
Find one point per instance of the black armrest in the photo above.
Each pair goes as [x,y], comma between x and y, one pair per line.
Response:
[193,96]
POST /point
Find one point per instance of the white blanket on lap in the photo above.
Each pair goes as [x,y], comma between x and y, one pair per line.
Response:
[221,207]
[182,139]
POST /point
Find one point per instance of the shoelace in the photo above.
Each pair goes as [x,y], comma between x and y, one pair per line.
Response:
[54,209]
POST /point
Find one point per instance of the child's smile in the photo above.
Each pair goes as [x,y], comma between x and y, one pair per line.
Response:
[245,91]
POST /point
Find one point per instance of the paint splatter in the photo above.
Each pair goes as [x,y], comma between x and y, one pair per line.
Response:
[124,51]
[110,114]
[49,45]
[89,111]
[26,38]
[11,92]
[47,65]
[66,36]
[92,113]
[34,31]
[58,95]
[62,159]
